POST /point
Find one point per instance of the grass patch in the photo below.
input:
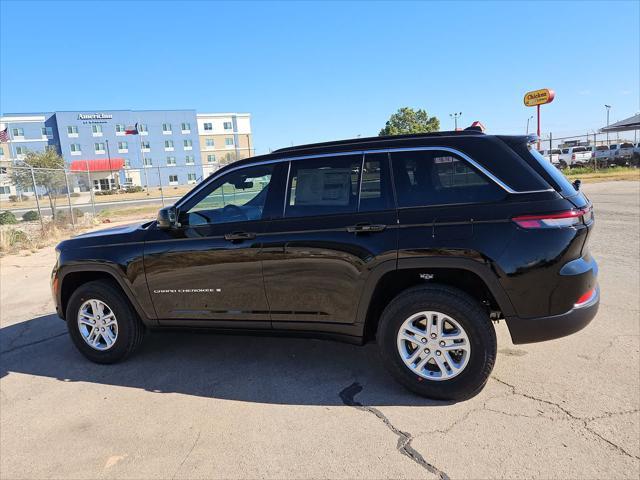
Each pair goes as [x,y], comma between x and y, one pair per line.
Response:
[590,175]
[147,211]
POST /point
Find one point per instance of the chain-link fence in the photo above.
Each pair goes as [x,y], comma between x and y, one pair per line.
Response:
[69,198]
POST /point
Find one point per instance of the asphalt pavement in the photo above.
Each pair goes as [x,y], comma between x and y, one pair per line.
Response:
[193,405]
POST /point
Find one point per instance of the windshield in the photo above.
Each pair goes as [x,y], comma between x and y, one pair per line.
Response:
[579,149]
[602,147]
[555,152]
[626,145]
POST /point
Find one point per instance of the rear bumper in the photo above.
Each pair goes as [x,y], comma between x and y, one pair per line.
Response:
[531,330]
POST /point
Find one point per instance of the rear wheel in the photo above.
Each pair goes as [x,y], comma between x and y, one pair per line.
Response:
[102,323]
[438,342]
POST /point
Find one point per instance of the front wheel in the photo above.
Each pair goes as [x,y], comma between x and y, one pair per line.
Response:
[102,323]
[438,342]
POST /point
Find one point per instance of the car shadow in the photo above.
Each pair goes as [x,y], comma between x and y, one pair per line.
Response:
[278,370]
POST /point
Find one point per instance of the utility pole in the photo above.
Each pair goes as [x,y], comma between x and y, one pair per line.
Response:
[528,119]
[455,117]
[608,107]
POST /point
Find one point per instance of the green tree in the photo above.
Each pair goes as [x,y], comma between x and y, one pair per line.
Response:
[407,120]
[48,171]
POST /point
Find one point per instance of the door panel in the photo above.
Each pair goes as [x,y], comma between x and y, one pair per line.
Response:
[314,269]
[195,273]
[317,258]
[210,268]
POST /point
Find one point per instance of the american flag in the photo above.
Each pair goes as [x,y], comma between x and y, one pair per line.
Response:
[4,135]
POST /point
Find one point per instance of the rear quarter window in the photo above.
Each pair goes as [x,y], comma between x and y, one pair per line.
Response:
[561,183]
[424,178]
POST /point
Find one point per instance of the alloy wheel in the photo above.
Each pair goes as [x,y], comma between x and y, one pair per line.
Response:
[97,324]
[433,345]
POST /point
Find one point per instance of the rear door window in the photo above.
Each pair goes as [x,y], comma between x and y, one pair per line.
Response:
[433,177]
[323,186]
[375,189]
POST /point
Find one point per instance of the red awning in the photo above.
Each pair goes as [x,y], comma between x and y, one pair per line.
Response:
[97,165]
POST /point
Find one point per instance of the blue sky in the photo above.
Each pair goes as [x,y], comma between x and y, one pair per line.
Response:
[320,71]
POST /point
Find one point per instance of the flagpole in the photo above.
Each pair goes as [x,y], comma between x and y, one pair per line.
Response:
[144,169]
[12,155]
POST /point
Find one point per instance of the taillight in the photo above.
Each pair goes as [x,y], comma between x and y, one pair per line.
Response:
[568,218]
[573,157]
[585,298]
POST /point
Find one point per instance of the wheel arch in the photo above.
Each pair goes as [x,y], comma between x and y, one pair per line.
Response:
[474,278]
[72,277]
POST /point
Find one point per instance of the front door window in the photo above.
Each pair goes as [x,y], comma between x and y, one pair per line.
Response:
[237,197]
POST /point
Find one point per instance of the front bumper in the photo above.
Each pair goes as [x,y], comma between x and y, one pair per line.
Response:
[531,330]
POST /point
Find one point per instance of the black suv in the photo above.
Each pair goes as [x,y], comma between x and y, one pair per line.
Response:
[417,241]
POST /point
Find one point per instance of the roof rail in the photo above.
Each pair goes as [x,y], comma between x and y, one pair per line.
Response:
[356,141]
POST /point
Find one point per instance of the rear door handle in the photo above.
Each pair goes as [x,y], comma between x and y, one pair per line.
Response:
[365,228]
[235,236]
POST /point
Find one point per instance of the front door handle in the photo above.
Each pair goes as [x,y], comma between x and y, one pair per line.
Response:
[365,228]
[237,236]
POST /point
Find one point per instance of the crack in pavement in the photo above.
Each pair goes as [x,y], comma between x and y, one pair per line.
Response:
[187,455]
[404,439]
[583,421]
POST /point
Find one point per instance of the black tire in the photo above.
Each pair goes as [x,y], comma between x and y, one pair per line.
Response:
[130,328]
[473,318]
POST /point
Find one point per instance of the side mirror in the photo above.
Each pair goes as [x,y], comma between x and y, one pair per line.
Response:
[576,184]
[167,218]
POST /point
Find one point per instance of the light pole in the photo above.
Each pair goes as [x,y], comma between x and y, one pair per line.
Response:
[528,119]
[455,117]
[608,107]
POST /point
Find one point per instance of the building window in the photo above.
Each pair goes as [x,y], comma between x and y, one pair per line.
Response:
[21,150]
[188,144]
[98,147]
[190,160]
[168,145]
[171,161]
[72,131]
[173,179]
[228,141]
[127,163]
[209,142]
[191,177]
[128,181]
[145,146]
[1,152]
[142,129]
[208,126]
[186,127]
[123,147]
[5,190]
[97,130]
[166,128]
[17,132]
[75,149]
[3,170]
[120,128]
[211,158]
[47,132]
[228,125]
[147,162]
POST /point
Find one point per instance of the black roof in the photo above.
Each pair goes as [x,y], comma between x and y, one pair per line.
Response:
[496,153]
[366,143]
[367,140]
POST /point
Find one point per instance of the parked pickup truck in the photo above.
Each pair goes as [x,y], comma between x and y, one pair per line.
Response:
[576,156]
[622,153]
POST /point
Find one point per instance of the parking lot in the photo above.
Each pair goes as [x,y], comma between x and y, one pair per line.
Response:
[194,405]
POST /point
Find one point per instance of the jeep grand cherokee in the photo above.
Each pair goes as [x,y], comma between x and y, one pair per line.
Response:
[416,241]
